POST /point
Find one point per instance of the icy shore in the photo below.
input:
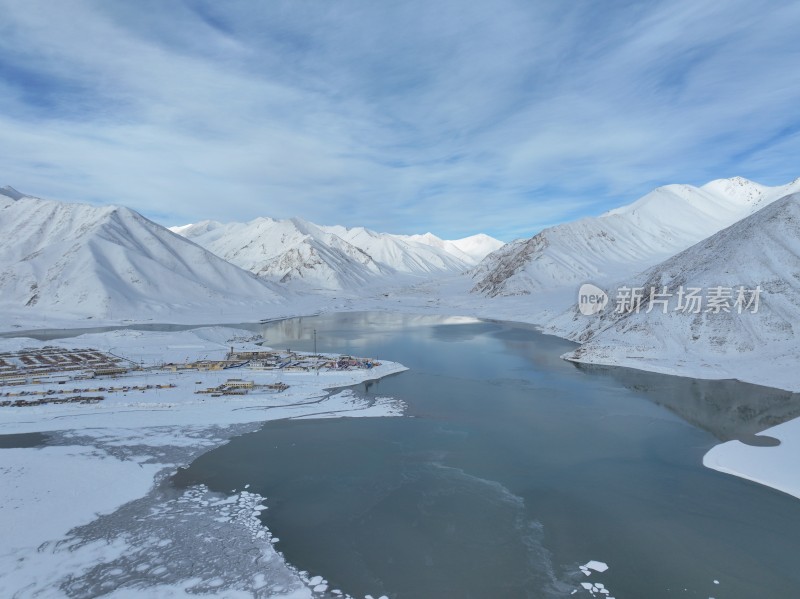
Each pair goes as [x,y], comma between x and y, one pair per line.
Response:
[91,511]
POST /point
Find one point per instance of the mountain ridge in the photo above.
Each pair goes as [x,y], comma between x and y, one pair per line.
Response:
[296,251]
[761,251]
[95,261]
[624,240]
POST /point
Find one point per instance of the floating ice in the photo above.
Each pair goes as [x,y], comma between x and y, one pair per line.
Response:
[596,566]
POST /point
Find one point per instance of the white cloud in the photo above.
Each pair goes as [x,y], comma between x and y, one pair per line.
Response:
[406,117]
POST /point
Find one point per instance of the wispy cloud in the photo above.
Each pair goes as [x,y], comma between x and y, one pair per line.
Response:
[447,116]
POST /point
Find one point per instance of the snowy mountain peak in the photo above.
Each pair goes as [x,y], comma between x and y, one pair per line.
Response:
[751,341]
[737,189]
[331,257]
[99,261]
[429,238]
[471,249]
[288,251]
[625,240]
[478,246]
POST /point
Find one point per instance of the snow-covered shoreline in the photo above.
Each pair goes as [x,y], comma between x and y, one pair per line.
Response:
[59,503]
[774,467]
[775,374]
[523,311]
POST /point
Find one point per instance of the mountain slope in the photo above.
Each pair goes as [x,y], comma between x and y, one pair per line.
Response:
[405,253]
[762,250]
[287,251]
[10,192]
[334,257]
[111,261]
[477,246]
[623,241]
[470,249]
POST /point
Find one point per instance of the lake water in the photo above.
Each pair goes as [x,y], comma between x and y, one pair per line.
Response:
[23,440]
[511,469]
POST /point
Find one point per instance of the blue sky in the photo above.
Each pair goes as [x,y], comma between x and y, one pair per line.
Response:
[447,116]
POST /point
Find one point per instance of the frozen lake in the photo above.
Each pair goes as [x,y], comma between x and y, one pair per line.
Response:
[513,469]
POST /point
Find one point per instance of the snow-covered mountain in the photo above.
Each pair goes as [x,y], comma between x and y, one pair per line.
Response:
[286,251]
[333,257]
[760,251]
[477,246]
[10,192]
[470,249]
[87,261]
[623,241]
[402,253]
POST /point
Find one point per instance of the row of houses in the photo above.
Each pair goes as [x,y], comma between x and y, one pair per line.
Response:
[57,376]
[49,363]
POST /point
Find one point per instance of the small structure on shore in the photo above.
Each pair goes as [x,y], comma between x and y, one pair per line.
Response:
[242,387]
[290,361]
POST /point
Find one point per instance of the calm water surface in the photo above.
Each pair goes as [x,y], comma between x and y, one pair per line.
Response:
[512,468]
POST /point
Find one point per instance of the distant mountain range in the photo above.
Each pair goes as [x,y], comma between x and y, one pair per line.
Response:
[304,255]
[76,260]
[111,262]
